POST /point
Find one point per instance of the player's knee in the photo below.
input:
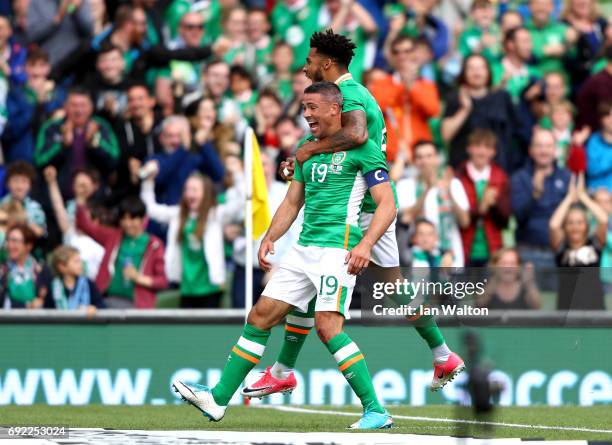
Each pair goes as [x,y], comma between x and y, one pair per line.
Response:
[260,318]
[327,329]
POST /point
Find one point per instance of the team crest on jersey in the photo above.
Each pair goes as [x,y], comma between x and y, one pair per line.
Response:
[338,158]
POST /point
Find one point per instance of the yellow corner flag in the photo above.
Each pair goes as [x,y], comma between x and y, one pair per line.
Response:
[261,207]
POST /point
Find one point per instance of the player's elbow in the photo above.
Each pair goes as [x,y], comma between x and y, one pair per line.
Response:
[358,136]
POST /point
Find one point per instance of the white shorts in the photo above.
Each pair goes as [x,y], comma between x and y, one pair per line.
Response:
[385,252]
[310,271]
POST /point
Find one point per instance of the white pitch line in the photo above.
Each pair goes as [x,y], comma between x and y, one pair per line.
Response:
[435,419]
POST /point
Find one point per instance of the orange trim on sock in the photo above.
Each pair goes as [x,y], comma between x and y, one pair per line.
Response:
[245,356]
[297,330]
[339,297]
[351,361]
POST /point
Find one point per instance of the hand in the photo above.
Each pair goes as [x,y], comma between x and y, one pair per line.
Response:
[36,303]
[111,105]
[134,169]
[571,35]
[67,133]
[5,68]
[554,49]
[447,260]
[201,136]
[152,167]
[221,46]
[528,275]
[445,181]
[580,137]
[572,190]
[305,152]
[581,186]
[267,247]
[464,99]
[90,133]
[131,273]
[289,166]
[534,91]
[358,258]
[539,176]
[397,23]
[90,311]
[50,174]
[488,199]
[488,40]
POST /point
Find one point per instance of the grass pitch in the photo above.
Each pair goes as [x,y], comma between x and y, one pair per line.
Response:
[242,418]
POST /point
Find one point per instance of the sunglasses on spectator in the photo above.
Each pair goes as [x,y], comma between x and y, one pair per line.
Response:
[193,26]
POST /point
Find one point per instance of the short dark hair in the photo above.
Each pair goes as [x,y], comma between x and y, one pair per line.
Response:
[29,237]
[422,220]
[91,173]
[423,143]
[400,39]
[123,14]
[37,55]
[512,32]
[138,84]
[133,207]
[20,168]
[604,108]
[482,136]
[328,89]
[286,118]
[108,47]
[335,46]
[267,92]
[79,90]
[243,73]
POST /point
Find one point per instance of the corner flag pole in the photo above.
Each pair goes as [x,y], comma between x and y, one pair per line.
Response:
[248,221]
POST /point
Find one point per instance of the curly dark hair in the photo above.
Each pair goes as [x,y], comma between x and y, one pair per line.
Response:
[335,46]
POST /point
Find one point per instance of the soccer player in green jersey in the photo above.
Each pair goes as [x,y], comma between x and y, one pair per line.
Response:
[329,57]
[331,250]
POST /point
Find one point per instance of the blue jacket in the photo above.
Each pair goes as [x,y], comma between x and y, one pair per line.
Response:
[175,168]
[25,117]
[599,162]
[533,216]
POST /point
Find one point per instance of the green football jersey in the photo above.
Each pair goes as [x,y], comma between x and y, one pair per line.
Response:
[334,187]
[357,97]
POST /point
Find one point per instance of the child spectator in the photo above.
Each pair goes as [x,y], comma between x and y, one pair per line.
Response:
[243,90]
[71,289]
[561,123]
[599,151]
[19,178]
[426,250]
[483,36]
[577,251]
[194,253]
[132,270]
[84,186]
[488,191]
[24,283]
[511,284]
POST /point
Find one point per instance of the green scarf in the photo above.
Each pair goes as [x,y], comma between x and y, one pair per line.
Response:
[22,281]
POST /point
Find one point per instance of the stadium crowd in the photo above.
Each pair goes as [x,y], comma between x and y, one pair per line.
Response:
[122,125]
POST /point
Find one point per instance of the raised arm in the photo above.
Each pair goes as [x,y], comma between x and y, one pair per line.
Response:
[354,132]
[281,222]
[55,195]
[555,225]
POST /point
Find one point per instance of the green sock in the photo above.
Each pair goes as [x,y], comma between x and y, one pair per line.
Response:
[297,328]
[351,363]
[243,357]
[428,329]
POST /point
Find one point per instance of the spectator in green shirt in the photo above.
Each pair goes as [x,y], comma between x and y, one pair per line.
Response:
[280,78]
[234,21]
[514,72]
[483,35]
[260,45]
[294,21]
[551,39]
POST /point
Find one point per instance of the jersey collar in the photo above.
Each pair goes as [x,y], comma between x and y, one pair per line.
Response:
[342,78]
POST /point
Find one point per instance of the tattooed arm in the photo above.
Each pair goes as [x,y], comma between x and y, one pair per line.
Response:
[354,132]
